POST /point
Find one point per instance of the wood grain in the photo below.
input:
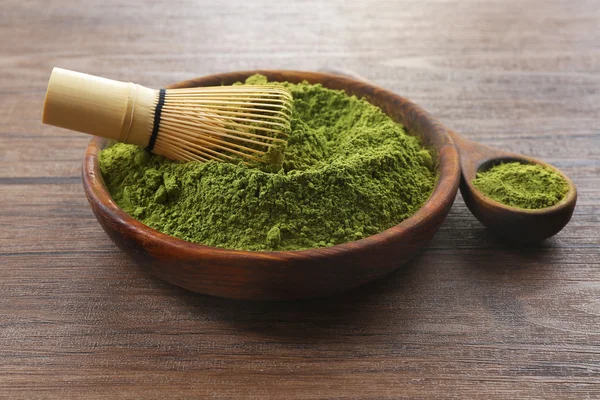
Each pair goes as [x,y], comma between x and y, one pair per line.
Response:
[471,317]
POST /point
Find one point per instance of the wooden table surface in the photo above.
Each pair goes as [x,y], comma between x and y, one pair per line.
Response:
[472,317]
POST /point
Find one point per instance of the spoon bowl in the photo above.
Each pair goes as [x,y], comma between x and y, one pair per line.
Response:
[518,224]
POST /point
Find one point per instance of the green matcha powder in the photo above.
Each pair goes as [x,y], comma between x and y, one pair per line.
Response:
[348,172]
[528,186]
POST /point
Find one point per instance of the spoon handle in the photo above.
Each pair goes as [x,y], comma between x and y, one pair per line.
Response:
[473,155]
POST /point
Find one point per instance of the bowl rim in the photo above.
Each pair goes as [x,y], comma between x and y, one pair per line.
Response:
[443,194]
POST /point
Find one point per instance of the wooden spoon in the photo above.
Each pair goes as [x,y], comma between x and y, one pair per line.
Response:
[511,222]
[514,223]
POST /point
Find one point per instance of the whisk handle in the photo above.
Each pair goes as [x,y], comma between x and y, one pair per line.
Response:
[95,105]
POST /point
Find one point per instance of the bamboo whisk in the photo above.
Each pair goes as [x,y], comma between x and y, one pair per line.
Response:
[192,124]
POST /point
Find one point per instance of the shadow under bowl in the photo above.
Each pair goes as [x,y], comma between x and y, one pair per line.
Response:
[286,275]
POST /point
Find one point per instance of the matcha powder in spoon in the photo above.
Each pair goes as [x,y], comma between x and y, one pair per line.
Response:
[348,172]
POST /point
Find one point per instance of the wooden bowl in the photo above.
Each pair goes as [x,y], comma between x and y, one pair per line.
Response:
[284,275]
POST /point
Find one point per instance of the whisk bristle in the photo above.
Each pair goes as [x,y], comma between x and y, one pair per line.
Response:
[223,122]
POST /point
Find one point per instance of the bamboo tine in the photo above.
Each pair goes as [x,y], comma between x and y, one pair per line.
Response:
[212,133]
[222,131]
[221,144]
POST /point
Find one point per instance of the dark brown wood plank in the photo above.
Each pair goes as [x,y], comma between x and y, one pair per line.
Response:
[472,317]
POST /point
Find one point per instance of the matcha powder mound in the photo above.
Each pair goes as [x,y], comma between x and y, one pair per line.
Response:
[528,186]
[348,172]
